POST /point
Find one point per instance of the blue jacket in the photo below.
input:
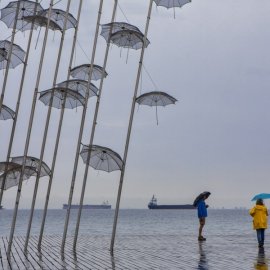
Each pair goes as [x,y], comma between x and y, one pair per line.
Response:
[202,210]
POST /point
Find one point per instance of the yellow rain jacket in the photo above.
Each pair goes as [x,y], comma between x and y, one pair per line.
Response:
[259,214]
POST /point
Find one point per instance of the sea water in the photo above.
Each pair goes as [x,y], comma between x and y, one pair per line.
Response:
[133,222]
[172,234]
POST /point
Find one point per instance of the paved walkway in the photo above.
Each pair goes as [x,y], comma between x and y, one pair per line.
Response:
[142,252]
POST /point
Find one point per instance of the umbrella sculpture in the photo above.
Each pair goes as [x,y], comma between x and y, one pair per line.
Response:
[115,27]
[26,8]
[34,163]
[128,39]
[102,158]
[83,116]
[28,135]
[6,113]
[58,16]
[72,99]
[82,72]
[94,124]
[17,54]
[57,19]
[59,130]
[171,3]
[156,98]
[200,196]
[6,169]
[25,11]
[80,86]
[40,20]
[261,196]
[66,21]
[11,177]
[130,127]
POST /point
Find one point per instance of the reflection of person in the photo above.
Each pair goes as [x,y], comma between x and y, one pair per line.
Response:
[259,213]
[202,264]
[261,263]
[202,214]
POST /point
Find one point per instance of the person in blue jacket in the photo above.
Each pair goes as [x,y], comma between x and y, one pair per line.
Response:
[202,214]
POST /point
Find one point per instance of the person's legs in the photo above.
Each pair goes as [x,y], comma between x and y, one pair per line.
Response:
[260,237]
[202,223]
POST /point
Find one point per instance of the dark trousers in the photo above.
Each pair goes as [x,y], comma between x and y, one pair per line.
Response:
[260,236]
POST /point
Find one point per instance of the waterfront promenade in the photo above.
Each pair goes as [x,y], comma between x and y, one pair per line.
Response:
[142,252]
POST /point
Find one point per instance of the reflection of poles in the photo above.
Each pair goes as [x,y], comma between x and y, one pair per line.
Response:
[130,127]
[93,129]
[9,54]
[46,127]
[81,130]
[29,131]
[113,263]
[59,131]
[17,105]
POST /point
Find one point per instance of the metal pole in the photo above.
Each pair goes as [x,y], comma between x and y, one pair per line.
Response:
[29,132]
[81,131]
[129,128]
[17,108]
[9,55]
[58,132]
[46,128]
[93,130]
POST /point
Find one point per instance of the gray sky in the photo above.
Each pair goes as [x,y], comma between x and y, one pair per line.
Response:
[213,57]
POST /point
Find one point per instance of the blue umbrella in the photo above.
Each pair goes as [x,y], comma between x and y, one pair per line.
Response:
[261,196]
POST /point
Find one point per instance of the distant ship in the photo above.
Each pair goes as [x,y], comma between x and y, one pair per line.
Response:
[153,205]
[104,205]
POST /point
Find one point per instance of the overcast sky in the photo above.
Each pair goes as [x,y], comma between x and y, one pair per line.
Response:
[213,57]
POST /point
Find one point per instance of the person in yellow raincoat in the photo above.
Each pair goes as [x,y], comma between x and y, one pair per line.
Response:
[259,213]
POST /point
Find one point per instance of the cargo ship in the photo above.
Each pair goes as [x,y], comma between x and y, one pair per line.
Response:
[104,205]
[153,205]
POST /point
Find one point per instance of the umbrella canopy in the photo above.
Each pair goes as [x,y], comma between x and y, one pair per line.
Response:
[41,21]
[129,39]
[102,158]
[171,3]
[79,86]
[201,196]
[58,16]
[261,196]
[8,166]
[17,54]
[57,19]
[12,176]
[82,72]
[6,113]
[33,162]
[26,8]
[73,99]
[155,98]
[116,26]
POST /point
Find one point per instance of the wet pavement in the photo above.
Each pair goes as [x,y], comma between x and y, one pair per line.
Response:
[140,252]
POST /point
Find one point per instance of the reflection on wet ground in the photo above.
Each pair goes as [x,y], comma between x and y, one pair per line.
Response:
[261,263]
[142,252]
[202,264]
